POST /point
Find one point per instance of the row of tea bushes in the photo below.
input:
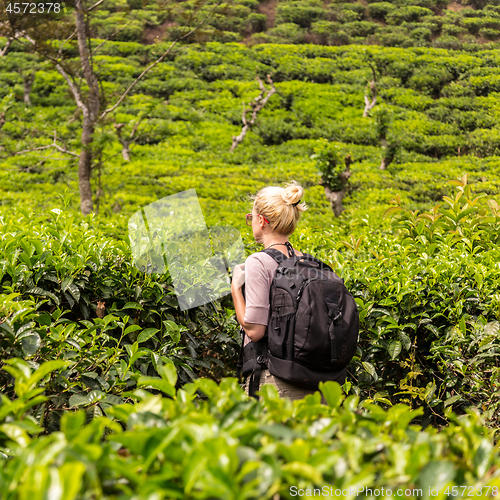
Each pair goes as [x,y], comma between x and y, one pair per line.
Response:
[70,293]
[208,441]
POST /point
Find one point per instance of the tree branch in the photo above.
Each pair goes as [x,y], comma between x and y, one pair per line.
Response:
[63,150]
[136,125]
[64,43]
[74,89]
[95,5]
[258,103]
[6,47]
[40,148]
[372,100]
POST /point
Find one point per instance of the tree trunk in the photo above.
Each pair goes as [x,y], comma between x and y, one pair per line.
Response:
[335,198]
[90,111]
[383,165]
[28,84]
[126,151]
[85,166]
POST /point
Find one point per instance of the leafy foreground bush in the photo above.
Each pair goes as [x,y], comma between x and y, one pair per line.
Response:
[227,446]
[428,301]
[71,293]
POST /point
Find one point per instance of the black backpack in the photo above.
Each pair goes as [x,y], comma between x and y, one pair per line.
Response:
[313,327]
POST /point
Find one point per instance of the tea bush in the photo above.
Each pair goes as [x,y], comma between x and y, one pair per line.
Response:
[426,282]
[303,21]
[224,445]
[57,275]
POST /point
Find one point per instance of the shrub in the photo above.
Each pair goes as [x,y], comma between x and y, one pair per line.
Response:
[330,163]
[208,441]
[422,35]
[60,270]
[300,13]
[484,142]
[257,22]
[407,14]
[379,10]
[329,33]
[430,79]
[275,130]
[473,25]
[483,85]
[348,16]
[394,38]
[447,42]
[453,30]
[490,33]
[360,28]
[287,33]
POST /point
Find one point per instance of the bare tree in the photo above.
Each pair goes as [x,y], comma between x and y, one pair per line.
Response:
[89,100]
[335,197]
[254,107]
[125,140]
[28,80]
[5,104]
[371,100]
[6,47]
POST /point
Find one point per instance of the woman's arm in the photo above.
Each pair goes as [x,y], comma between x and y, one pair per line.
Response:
[253,330]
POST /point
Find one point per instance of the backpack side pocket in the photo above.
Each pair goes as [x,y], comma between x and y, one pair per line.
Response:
[281,326]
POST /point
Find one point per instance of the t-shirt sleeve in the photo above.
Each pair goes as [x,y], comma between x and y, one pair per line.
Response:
[257,286]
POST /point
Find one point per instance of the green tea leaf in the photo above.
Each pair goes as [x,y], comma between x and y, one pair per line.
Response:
[78,400]
[369,368]
[147,334]
[394,349]
[71,474]
[31,343]
[332,393]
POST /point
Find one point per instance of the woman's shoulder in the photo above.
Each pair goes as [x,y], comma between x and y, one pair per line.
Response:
[259,257]
[265,258]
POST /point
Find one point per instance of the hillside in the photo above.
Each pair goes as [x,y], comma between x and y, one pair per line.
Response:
[399,23]
[109,390]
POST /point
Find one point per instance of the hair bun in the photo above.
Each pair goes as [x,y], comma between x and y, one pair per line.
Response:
[295,204]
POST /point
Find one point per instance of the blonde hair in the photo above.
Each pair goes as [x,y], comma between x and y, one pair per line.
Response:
[275,204]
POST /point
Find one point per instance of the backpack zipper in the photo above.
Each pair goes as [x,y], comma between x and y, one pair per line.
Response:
[306,282]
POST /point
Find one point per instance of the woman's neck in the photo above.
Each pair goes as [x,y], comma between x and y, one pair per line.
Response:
[271,244]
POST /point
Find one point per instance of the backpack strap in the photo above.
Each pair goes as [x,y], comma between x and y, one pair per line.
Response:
[335,314]
[260,348]
[260,363]
[239,365]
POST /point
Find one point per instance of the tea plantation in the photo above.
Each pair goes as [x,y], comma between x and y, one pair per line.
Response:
[108,390]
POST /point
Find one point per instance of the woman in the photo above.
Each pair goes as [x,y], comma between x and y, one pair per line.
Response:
[274,217]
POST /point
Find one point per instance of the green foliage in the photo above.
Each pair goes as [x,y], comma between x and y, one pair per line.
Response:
[303,13]
[430,22]
[431,353]
[330,163]
[226,445]
[426,283]
[60,271]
